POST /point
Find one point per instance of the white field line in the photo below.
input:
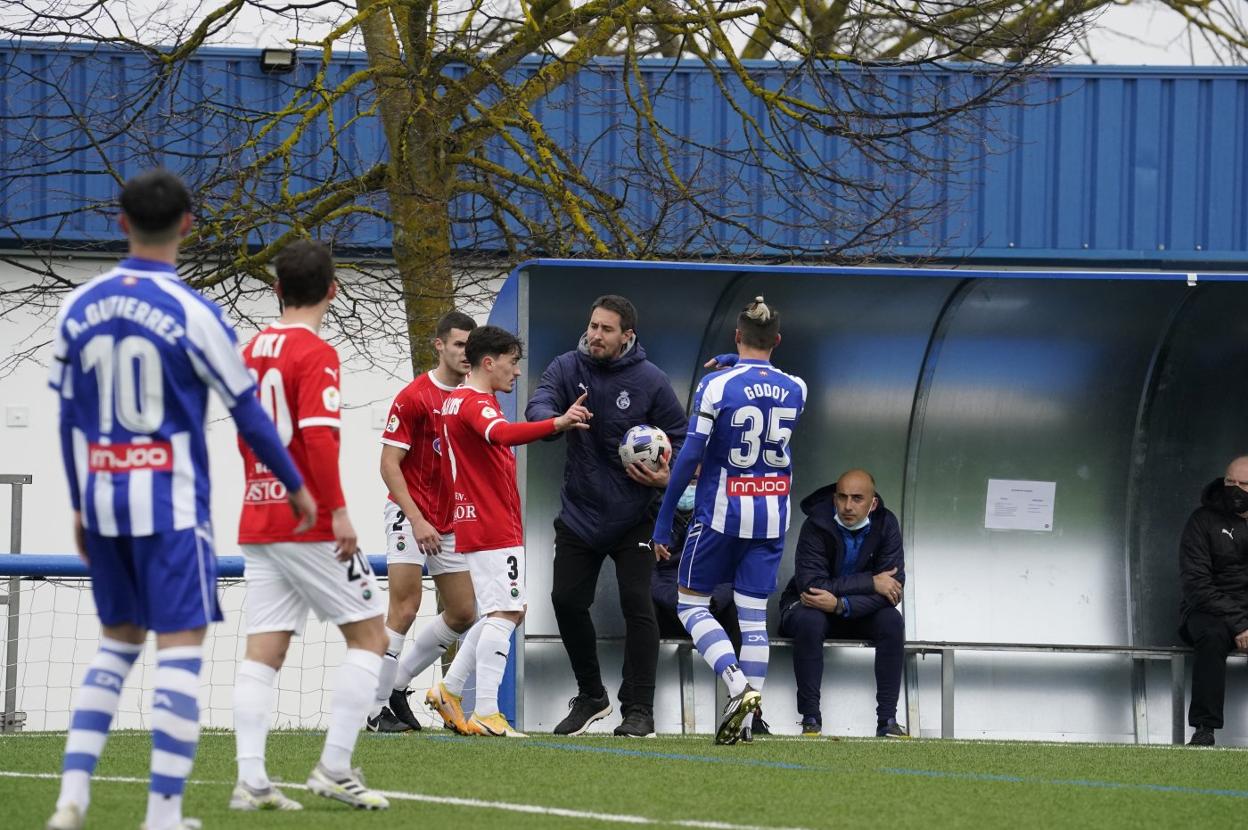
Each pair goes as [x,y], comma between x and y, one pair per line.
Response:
[705,739]
[473,803]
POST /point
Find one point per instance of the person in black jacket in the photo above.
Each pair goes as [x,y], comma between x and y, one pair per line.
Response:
[849,570]
[607,509]
[1213,565]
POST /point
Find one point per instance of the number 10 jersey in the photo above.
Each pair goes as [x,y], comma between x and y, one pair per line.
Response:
[135,352]
[297,377]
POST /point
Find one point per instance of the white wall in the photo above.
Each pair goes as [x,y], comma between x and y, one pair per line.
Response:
[59,628]
[367,388]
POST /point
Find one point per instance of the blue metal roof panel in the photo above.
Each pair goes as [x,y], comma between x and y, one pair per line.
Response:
[1102,164]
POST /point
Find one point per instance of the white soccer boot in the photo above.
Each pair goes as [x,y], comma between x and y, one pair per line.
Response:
[184,824]
[248,799]
[66,818]
[346,787]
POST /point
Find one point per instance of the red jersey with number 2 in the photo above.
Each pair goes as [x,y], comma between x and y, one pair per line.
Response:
[478,441]
[296,374]
[415,425]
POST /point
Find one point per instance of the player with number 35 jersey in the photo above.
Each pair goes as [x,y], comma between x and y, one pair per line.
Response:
[743,417]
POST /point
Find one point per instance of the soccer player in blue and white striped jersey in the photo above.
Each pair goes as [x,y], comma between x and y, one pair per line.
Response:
[743,417]
[135,354]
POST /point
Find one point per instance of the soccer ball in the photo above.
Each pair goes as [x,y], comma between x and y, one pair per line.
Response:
[646,444]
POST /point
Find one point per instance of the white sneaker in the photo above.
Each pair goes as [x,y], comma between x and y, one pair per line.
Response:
[346,787]
[184,824]
[249,798]
[66,818]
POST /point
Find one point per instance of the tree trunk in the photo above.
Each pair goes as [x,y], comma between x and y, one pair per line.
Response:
[418,184]
[420,211]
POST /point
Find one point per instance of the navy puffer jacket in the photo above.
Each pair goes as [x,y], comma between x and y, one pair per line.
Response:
[600,501]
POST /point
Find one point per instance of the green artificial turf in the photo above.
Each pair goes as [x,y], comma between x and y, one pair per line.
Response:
[674,781]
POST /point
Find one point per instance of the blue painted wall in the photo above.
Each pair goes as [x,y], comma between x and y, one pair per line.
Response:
[1140,167]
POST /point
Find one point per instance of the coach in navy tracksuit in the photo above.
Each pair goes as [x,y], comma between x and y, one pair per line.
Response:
[849,569]
[607,508]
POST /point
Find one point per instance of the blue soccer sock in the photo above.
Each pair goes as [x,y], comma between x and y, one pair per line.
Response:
[95,704]
[710,639]
[175,732]
[752,615]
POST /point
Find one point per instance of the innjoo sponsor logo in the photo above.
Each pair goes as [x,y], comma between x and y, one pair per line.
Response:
[758,485]
[129,458]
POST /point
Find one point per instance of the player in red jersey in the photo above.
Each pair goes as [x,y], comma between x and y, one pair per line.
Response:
[487,521]
[418,528]
[289,573]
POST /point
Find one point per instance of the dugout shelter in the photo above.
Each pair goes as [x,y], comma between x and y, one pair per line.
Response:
[1116,391]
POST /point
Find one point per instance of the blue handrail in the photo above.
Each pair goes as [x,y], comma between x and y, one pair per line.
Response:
[69,565]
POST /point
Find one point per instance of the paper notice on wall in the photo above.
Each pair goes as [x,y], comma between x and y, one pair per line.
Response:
[1019,505]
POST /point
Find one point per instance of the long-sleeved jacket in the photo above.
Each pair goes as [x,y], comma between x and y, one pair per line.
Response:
[600,501]
[1213,561]
[821,550]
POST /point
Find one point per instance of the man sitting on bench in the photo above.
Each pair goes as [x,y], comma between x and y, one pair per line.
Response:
[849,570]
[1212,557]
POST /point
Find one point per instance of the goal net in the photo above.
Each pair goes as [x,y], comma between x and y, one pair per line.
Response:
[58,634]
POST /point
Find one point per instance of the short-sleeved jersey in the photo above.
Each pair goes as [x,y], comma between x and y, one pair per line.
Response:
[134,354]
[747,413]
[296,376]
[415,425]
[487,501]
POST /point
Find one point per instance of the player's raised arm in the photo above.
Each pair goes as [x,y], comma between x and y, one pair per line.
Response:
[494,355]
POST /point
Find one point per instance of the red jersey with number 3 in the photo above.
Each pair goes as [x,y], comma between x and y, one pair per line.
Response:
[296,374]
[487,501]
[415,425]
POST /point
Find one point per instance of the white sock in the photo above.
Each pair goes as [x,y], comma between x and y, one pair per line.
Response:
[95,704]
[734,679]
[389,665]
[492,652]
[253,710]
[431,643]
[348,708]
[465,662]
[175,732]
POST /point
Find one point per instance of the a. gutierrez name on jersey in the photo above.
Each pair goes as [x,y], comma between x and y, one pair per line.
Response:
[747,412]
[134,354]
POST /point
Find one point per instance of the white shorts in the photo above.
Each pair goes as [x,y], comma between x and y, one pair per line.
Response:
[285,580]
[401,547]
[498,579]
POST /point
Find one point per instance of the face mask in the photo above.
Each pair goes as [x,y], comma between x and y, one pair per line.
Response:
[686,498]
[1236,499]
[866,520]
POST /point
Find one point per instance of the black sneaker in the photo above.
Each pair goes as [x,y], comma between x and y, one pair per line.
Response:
[812,727]
[386,722]
[401,710]
[890,729]
[1203,736]
[638,723]
[736,710]
[584,711]
[755,726]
